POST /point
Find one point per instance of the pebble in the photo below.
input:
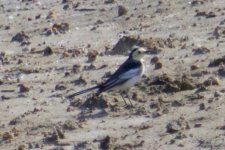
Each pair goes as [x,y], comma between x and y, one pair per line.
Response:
[122,10]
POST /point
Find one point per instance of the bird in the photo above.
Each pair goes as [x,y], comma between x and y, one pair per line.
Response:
[126,76]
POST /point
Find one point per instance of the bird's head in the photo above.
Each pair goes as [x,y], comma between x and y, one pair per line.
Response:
[137,53]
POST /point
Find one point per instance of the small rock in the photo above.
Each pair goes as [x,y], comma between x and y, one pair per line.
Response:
[154,60]
[80,81]
[105,143]
[177,125]
[200,50]
[202,106]
[22,147]
[38,16]
[76,68]
[23,88]
[124,45]
[70,109]
[122,10]
[109,1]
[217,94]
[48,51]
[20,37]
[92,56]
[3,97]
[177,103]
[69,125]
[67,74]
[158,65]
[50,15]
[96,102]
[196,2]
[19,61]
[217,62]
[15,121]
[7,136]
[60,87]
[197,125]
[211,81]
[205,14]
[221,71]
[194,67]
[187,84]
[60,28]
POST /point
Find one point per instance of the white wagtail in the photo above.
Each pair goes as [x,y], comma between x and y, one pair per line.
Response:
[126,75]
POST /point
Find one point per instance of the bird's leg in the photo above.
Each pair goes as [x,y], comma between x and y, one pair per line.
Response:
[127,98]
[130,101]
[123,99]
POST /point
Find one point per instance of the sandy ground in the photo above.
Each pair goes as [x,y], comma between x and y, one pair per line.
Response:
[52,48]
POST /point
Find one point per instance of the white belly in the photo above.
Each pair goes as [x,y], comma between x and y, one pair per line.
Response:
[129,83]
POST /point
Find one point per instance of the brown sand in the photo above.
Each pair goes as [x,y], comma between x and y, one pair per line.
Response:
[61,48]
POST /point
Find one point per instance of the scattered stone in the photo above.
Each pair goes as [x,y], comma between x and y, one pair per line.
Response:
[7,136]
[60,87]
[217,94]
[196,2]
[69,125]
[93,102]
[197,125]
[76,68]
[154,60]
[81,145]
[221,127]
[158,65]
[217,62]
[122,10]
[23,88]
[124,45]
[145,125]
[177,125]
[20,37]
[22,147]
[219,31]
[7,27]
[67,74]
[65,1]
[80,81]
[15,121]
[166,84]
[60,28]
[3,97]
[55,136]
[105,143]
[154,45]
[90,67]
[221,71]
[50,15]
[211,81]
[70,109]
[200,50]
[205,14]
[38,16]
[19,61]
[48,51]
[194,67]
[46,32]
[109,1]
[202,106]
[92,56]
[177,103]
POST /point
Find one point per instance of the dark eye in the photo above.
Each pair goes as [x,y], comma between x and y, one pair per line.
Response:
[139,52]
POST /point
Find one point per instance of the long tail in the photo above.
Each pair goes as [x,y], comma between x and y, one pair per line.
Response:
[82,92]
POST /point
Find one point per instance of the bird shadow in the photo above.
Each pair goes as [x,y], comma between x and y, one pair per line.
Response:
[88,114]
